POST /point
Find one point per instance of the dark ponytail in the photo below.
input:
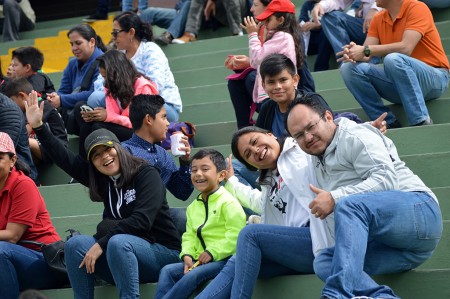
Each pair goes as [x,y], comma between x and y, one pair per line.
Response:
[128,20]
[21,166]
[87,32]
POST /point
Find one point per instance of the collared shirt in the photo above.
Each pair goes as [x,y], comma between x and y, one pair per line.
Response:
[177,180]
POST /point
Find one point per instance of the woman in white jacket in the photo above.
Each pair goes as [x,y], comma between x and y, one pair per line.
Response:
[289,236]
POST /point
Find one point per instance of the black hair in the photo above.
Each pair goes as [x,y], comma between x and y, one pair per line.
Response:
[87,32]
[291,26]
[21,166]
[311,99]
[265,2]
[235,150]
[121,75]
[128,20]
[142,105]
[215,156]
[274,64]
[29,55]
[12,87]
[129,167]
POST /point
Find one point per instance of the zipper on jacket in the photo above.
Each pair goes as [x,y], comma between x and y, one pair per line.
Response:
[199,229]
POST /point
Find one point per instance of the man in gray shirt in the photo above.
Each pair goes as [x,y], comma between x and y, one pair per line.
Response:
[386,219]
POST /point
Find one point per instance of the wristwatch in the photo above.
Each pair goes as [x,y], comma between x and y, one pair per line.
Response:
[366,51]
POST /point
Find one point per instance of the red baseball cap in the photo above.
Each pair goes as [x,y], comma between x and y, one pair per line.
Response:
[277,6]
[6,144]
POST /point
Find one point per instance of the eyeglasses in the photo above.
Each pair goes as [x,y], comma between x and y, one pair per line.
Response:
[311,129]
[115,33]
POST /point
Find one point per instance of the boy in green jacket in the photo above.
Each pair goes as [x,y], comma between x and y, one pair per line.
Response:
[214,220]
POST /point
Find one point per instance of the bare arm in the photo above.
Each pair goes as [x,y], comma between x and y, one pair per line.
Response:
[409,41]
[13,232]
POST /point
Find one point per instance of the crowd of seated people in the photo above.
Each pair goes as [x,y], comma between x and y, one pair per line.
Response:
[120,102]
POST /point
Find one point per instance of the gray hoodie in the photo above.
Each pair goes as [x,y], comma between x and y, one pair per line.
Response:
[360,159]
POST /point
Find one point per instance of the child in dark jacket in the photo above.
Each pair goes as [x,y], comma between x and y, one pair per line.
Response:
[27,63]
[214,220]
[18,90]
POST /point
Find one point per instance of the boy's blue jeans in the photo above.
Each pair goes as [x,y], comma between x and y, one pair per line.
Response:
[262,251]
[173,283]
[377,233]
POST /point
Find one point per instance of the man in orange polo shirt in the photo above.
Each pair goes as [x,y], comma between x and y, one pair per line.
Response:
[415,68]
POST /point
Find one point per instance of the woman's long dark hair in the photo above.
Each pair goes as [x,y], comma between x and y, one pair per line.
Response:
[290,26]
[129,167]
[21,166]
[263,177]
[128,20]
[87,32]
[121,76]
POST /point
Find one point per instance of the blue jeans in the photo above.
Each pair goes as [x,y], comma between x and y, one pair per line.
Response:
[173,283]
[128,261]
[401,80]
[341,29]
[262,251]
[21,269]
[172,20]
[127,5]
[97,99]
[377,233]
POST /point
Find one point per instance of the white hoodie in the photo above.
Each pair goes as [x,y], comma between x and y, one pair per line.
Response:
[297,171]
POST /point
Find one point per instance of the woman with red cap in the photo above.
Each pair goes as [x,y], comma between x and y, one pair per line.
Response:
[23,217]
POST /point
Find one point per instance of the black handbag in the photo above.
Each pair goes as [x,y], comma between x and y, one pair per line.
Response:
[54,254]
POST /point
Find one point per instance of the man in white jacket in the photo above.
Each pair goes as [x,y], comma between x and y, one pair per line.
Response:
[18,16]
[386,219]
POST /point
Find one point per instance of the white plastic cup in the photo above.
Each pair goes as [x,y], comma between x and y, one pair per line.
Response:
[175,144]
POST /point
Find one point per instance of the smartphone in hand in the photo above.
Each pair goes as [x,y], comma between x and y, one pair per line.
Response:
[86,108]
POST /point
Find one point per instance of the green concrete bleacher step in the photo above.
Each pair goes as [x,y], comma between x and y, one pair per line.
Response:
[201,76]
[195,49]
[208,60]
[207,93]
[438,110]
[415,284]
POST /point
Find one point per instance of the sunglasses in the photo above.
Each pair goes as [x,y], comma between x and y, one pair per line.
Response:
[115,33]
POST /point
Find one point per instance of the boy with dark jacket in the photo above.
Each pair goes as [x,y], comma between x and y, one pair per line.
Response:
[18,90]
[27,63]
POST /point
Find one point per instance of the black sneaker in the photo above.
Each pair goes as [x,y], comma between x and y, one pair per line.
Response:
[164,39]
[394,125]
[95,17]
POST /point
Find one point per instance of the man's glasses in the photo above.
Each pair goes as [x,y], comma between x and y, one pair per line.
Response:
[115,33]
[311,129]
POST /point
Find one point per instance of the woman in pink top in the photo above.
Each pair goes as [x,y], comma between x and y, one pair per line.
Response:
[122,83]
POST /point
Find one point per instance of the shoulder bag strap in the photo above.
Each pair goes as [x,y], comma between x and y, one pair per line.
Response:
[88,77]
